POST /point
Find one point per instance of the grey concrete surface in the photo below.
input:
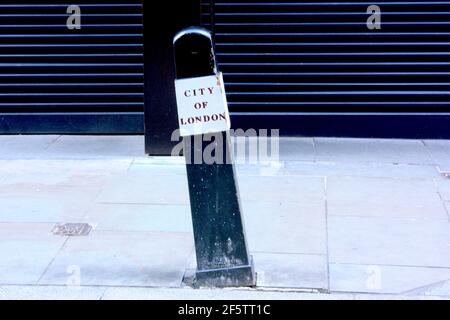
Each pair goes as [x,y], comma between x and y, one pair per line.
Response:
[444,187]
[384,197]
[385,279]
[291,228]
[26,250]
[129,293]
[292,271]
[339,218]
[31,147]
[440,152]
[372,151]
[387,241]
[123,259]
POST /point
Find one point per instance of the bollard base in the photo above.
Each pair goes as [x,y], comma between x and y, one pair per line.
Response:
[242,276]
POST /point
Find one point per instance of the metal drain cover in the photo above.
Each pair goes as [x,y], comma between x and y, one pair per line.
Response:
[72,229]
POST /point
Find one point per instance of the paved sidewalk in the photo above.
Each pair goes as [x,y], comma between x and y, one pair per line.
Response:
[342,216]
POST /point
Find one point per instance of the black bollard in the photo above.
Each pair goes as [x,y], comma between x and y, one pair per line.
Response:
[221,249]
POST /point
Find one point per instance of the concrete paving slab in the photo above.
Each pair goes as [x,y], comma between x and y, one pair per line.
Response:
[444,187]
[141,218]
[51,293]
[49,179]
[384,210]
[44,178]
[25,147]
[440,151]
[383,279]
[370,170]
[25,251]
[242,294]
[296,149]
[384,197]
[265,169]
[146,188]
[45,203]
[187,294]
[251,150]
[440,289]
[23,209]
[286,227]
[213,294]
[372,150]
[64,168]
[285,189]
[291,271]
[387,241]
[94,147]
[163,160]
[159,169]
[123,259]
[216,294]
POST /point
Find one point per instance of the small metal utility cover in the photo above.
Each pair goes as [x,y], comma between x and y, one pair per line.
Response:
[72,229]
[446,174]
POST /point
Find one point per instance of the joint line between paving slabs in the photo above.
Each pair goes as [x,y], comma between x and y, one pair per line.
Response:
[53,259]
[443,202]
[314,150]
[131,164]
[435,163]
[53,142]
[327,251]
[419,290]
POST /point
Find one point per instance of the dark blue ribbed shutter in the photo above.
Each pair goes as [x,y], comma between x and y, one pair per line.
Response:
[292,57]
[50,72]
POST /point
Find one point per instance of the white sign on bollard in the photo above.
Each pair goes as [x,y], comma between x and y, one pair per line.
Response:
[202,105]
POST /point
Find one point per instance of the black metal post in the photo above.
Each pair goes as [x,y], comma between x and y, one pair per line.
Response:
[222,254]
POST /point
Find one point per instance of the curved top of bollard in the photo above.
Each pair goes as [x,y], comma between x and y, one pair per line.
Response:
[193,30]
[194,53]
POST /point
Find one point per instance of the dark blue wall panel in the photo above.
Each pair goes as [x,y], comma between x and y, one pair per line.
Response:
[72,123]
[47,68]
[314,67]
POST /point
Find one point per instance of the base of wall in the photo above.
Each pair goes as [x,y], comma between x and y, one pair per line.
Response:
[405,126]
[72,123]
